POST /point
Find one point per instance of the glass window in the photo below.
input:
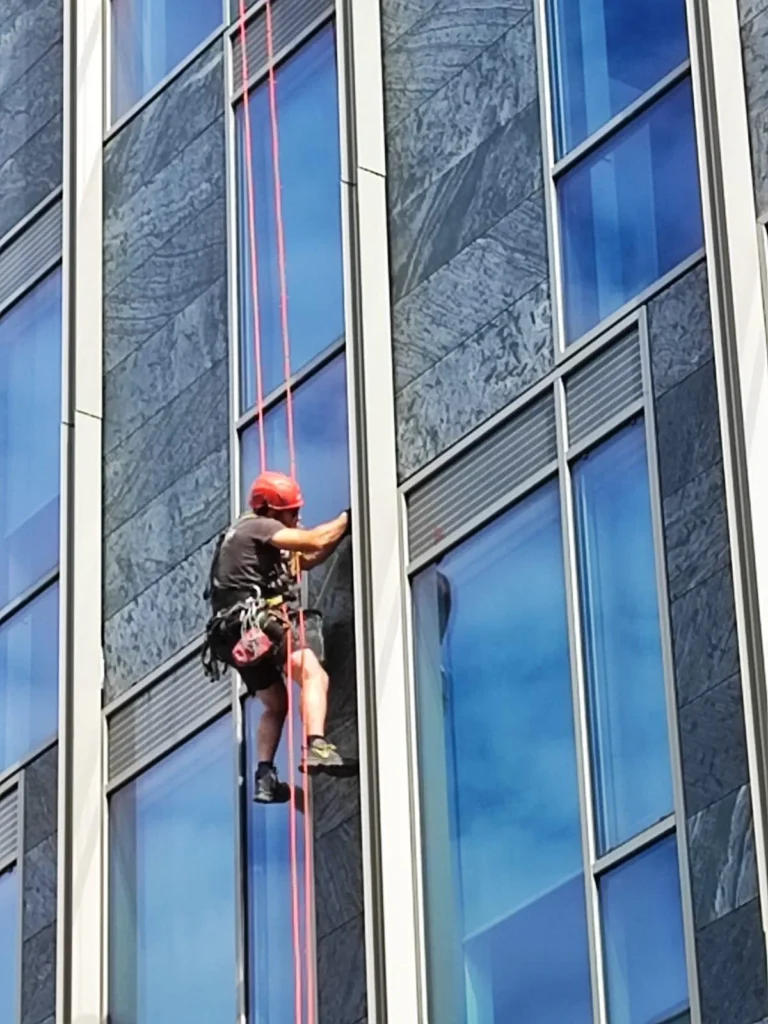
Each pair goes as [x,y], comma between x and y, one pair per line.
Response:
[310,175]
[607,53]
[172,888]
[622,641]
[149,38]
[29,684]
[9,945]
[643,939]
[270,884]
[630,212]
[30,414]
[320,437]
[503,860]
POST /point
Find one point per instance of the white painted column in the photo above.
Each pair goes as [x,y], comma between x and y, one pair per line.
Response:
[79,952]
[390,838]
[741,357]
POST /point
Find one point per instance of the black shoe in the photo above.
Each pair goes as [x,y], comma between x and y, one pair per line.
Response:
[322,756]
[269,790]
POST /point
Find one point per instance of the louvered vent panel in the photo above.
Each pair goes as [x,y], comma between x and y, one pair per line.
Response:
[482,475]
[33,250]
[163,714]
[604,387]
[9,824]
[290,18]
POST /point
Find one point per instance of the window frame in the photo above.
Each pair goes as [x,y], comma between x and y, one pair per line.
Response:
[594,865]
[14,781]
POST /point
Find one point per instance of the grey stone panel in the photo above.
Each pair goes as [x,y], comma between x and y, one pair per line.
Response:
[165,127]
[187,265]
[722,857]
[338,877]
[41,798]
[30,175]
[38,976]
[688,429]
[39,898]
[696,531]
[337,800]
[470,290]
[704,636]
[474,381]
[466,202]
[10,9]
[758,125]
[439,45]
[482,98]
[153,375]
[714,745]
[341,974]
[748,9]
[182,434]
[754,44]
[157,624]
[397,16]
[165,532]
[25,38]
[732,972]
[152,214]
[680,329]
[31,102]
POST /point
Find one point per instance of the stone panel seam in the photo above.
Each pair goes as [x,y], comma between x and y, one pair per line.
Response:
[51,120]
[401,35]
[337,928]
[32,66]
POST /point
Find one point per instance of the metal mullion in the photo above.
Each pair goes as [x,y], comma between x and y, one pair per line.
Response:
[580,714]
[20,803]
[28,596]
[637,844]
[242,904]
[610,426]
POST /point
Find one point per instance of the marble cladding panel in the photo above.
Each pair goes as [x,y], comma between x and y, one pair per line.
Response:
[474,381]
[166,531]
[41,798]
[749,8]
[39,896]
[337,800]
[478,101]
[30,103]
[713,745]
[704,638]
[26,36]
[732,970]
[680,329]
[470,290]
[696,532]
[38,976]
[721,846]
[688,429]
[338,877]
[397,16]
[31,174]
[156,624]
[439,45]
[164,128]
[10,9]
[341,974]
[758,130]
[167,447]
[463,204]
[754,44]
[181,352]
[162,287]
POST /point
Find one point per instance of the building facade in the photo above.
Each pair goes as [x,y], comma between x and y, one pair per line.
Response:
[498,273]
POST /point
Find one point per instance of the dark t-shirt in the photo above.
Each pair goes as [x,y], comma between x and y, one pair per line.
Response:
[247,559]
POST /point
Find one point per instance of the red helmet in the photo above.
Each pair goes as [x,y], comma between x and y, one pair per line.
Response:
[275,490]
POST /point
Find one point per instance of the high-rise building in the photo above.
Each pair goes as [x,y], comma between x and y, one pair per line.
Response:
[500,269]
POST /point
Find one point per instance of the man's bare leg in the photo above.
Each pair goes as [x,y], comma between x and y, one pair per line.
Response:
[312,678]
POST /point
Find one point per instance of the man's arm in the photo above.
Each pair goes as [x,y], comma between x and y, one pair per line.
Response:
[314,545]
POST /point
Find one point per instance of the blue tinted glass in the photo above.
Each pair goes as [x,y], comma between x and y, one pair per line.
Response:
[622,640]
[643,939]
[320,437]
[9,945]
[310,174]
[270,882]
[630,212]
[172,888]
[149,38]
[503,863]
[607,54]
[29,677]
[30,413]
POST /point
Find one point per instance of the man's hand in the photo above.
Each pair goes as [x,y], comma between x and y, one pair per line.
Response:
[316,544]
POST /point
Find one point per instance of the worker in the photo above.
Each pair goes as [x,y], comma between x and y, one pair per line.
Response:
[255,602]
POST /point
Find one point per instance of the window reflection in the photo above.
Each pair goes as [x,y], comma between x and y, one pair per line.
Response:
[630,212]
[9,944]
[149,38]
[320,435]
[172,888]
[622,640]
[311,203]
[503,864]
[30,413]
[29,683]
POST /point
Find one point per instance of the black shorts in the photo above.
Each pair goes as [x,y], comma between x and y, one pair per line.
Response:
[271,668]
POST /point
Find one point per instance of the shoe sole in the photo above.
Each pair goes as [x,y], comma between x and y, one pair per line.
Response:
[345,770]
[281,799]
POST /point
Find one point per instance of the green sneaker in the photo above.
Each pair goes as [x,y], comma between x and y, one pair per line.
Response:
[321,756]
